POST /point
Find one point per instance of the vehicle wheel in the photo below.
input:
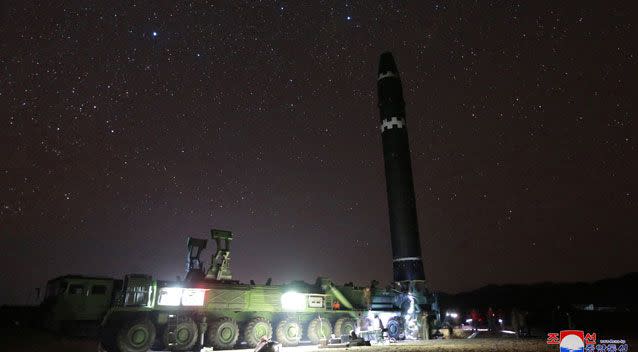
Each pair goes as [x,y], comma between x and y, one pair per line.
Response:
[319,329]
[136,335]
[344,325]
[222,333]
[185,336]
[256,329]
[395,328]
[288,332]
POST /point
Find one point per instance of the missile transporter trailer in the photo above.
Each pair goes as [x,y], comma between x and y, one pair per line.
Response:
[211,309]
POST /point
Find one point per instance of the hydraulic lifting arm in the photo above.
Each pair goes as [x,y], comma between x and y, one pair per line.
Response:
[220,263]
[194,266]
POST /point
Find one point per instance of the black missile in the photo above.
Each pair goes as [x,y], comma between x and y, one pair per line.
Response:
[404,229]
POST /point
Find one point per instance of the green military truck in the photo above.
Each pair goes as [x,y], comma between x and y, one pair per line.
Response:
[208,308]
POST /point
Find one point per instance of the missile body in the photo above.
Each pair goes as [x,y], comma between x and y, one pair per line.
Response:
[404,229]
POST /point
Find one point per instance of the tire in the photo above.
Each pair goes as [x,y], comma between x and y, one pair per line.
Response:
[256,329]
[186,334]
[135,335]
[222,333]
[344,325]
[395,328]
[319,329]
[289,332]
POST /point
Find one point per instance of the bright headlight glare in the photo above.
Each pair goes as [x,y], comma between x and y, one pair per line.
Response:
[293,301]
[193,296]
[169,296]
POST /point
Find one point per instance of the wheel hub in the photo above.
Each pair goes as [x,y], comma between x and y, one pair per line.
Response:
[139,336]
[226,334]
[183,335]
[292,331]
[260,330]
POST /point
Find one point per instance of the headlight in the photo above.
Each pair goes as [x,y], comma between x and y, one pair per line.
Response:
[193,296]
[169,296]
[173,296]
[293,301]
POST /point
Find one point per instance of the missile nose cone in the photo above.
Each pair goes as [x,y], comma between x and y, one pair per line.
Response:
[387,64]
[389,82]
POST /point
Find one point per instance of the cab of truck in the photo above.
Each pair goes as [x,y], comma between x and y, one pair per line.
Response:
[71,301]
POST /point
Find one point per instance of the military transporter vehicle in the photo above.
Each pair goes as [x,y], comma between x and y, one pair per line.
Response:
[210,309]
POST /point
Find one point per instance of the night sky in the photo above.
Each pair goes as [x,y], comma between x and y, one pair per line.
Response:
[128,126]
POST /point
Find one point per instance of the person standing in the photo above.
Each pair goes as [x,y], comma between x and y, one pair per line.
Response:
[491,319]
[474,315]
[378,327]
[515,322]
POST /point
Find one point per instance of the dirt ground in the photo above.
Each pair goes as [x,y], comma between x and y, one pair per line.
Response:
[20,339]
[464,345]
[30,340]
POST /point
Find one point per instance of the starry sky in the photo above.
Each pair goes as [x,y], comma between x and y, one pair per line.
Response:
[128,126]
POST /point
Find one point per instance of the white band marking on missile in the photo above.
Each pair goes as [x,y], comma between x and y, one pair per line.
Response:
[391,123]
[383,75]
[405,259]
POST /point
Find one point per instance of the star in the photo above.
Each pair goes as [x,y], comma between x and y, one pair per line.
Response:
[269,109]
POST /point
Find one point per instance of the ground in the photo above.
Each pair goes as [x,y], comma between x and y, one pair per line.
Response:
[461,345]
[29,340]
